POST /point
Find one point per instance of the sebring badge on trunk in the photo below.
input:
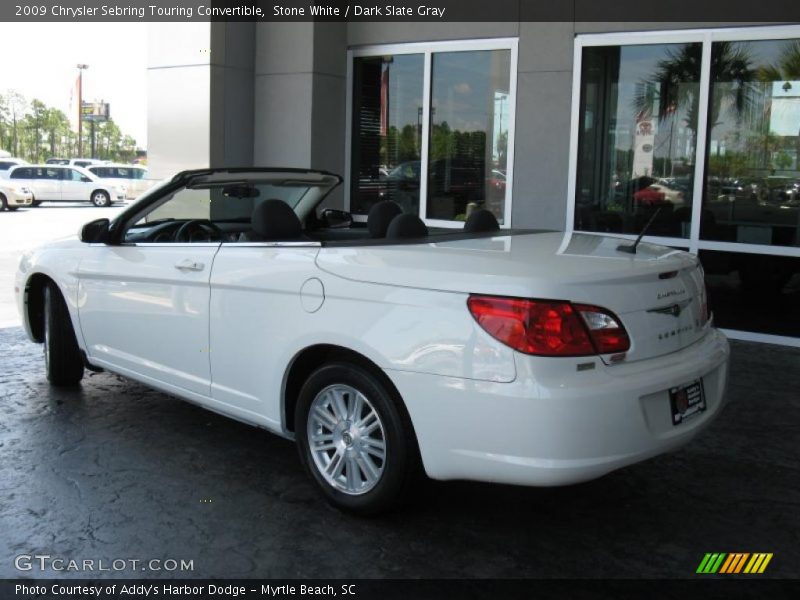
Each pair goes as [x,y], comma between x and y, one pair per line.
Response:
[674,309]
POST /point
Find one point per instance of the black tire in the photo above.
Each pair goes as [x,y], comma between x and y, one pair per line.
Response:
[400,468]
[100,198]
[62,357]
[35,202]
[3,203]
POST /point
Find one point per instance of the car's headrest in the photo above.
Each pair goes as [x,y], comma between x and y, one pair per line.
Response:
[406,226]
[379,217]
[275,220]
[481,220]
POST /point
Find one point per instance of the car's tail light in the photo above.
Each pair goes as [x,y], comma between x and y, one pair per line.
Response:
[549,327]
[605,329]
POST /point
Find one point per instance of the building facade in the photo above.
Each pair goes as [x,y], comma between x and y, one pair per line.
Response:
[692,128]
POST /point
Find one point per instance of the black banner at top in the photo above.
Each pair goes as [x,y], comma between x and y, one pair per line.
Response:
[699,11]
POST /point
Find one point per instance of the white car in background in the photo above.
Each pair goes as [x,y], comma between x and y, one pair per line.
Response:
[7,163]
[84,162]
[521,357]
[63,183]
[12,196]
[133,177]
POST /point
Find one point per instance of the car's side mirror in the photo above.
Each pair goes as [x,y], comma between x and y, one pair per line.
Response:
[85,179]
[95,232]
[334,218]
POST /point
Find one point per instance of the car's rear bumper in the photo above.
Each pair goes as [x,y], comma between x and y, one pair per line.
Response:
[555,425]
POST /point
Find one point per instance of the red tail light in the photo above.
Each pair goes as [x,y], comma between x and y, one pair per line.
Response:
[549,327]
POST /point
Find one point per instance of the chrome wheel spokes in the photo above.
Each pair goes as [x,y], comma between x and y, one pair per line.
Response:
[347,439]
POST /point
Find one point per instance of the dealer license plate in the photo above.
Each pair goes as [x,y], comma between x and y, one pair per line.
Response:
[687,401]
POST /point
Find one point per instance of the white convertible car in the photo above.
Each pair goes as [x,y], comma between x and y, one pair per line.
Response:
[524,357]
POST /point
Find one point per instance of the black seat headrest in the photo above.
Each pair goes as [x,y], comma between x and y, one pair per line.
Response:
[275,220]
[379,217]
[481,220]
[406,226]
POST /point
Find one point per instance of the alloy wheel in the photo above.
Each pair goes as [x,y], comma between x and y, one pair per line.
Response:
[347,439]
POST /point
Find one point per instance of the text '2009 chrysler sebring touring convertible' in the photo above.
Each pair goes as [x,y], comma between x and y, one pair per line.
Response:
[523,357]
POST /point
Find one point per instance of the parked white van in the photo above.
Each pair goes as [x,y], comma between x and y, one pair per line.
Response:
[55,183]
[133,177]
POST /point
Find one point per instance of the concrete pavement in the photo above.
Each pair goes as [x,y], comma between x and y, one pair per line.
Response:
[115,470]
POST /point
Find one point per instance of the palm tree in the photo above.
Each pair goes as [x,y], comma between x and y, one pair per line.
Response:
[788,65]
[731,63]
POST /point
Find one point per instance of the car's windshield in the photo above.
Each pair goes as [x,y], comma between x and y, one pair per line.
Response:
[224,201]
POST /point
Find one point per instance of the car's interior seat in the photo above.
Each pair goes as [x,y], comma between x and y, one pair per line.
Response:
[380,216]
[406,227]
[481,220]
[273,220]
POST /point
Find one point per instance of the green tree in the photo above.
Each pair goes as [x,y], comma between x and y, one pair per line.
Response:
[17,105]
[35,132]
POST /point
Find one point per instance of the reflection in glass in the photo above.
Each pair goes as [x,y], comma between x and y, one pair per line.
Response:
[637,138]
[753,292]
[752,188]
[470,117]
[387,131]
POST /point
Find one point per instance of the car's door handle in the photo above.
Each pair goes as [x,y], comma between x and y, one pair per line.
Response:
[187,264]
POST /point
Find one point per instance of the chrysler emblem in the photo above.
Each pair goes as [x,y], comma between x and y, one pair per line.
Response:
[673,309]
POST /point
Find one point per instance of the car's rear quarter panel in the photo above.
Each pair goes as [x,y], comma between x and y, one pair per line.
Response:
[260,323]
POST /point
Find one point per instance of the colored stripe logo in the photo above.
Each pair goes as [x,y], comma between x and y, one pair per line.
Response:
[734,562]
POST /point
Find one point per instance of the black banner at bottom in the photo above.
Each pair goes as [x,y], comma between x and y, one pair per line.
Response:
[389,589]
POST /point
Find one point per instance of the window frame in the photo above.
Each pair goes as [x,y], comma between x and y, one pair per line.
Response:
[706,37]
[428,49]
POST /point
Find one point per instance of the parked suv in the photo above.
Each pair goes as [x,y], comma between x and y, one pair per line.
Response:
[55,183]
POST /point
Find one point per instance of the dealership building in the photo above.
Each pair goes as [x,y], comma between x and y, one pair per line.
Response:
[692,128]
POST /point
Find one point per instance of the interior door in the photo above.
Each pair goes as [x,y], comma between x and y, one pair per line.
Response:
[144,310]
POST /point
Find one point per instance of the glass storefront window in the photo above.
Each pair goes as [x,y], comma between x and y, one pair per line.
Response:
[387,131]
[433,131]
[753,292]
[637,138]
[752,187]
[470,114]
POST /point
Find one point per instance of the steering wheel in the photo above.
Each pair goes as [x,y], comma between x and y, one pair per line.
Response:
[197,230]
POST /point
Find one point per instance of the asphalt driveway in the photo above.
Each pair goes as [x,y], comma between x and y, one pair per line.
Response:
[114,470]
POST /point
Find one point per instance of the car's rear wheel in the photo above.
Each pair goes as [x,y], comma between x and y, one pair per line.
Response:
[62,357]
[101,198]
[354,439]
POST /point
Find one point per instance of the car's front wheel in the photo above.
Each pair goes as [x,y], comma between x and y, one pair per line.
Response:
[101,198]
[62,357]
[3,202]
[354,439]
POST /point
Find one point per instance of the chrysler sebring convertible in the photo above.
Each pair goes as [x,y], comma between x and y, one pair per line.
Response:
[386,349]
